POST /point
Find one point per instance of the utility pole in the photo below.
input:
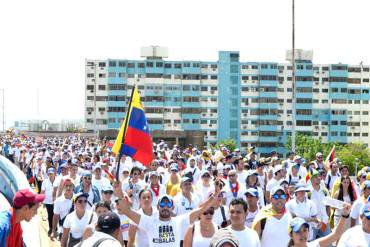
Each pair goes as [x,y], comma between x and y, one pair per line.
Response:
[293,79]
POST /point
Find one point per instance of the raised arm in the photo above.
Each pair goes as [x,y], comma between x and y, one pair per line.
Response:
[194,215]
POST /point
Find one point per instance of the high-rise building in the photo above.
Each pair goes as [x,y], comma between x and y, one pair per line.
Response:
[251,102]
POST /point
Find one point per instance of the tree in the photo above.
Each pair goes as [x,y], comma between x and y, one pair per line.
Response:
[352,151]
[230,144]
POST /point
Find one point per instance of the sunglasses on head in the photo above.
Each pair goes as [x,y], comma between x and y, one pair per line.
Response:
[276,196]
[163,204]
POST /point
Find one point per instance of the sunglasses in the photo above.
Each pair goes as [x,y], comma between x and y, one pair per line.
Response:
[206,176]
[276,196]
[108,192]
[87,178]
[164,204]
[210,212]
[81,201]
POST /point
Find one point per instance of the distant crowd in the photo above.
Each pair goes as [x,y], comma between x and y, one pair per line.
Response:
[186,196]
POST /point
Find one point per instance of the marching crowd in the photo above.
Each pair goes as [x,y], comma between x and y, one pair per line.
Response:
[186,197]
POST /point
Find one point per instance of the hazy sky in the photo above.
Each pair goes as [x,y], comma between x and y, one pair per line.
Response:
[43,44]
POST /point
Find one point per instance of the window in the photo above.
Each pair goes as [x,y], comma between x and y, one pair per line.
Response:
[101,75]
[90,75]
[90,87]
[121,64]
[178,65]
[195,121]
[159,64]
[102,64]
[168,65]
[131,65]
[141,65]
[213,77]
[324,133]
[334,133]
[101,87]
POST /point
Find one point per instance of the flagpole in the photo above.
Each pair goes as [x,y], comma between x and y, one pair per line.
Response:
[124,133]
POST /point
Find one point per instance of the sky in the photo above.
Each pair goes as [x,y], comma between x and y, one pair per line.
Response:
[44,44]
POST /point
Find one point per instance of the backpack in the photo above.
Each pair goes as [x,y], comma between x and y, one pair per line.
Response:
[96,244]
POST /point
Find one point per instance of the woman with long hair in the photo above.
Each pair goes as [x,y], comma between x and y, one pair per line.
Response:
[346,193]
[201,232]
[299,232]
[137,236]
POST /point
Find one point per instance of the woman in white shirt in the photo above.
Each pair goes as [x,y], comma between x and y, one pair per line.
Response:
[75,222]
[137,236]
[47,188]
[299,232]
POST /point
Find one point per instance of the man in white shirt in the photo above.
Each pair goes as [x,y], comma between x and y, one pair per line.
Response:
[107,232]
[233,189]
[332,176]
[360,234]
[165,230]
[359,204]
[185,201]
[252,201]
[98,180]
[279,175]
[238,212]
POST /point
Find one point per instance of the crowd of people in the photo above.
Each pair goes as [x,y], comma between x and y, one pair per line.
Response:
[186,196]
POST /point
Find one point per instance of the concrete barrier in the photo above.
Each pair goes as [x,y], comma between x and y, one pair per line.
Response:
[11,180]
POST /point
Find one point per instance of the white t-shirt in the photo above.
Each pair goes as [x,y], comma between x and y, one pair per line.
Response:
[249,218]
[111,242]
[356,210]
[100,183]
[182,204]
[77,225]
[48,186]
[62,206]
[141,238]
[246,237]
[204,191]
[217,217]
[164,233]
[355,237]
[275,232]
[162,191]
[229,194]
[271,184]
[125,223]
[136,188]
[242,176]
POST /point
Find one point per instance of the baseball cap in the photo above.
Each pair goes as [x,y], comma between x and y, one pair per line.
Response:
[186,179]
[26,196]
[252,191]
[64,165]
[51,170]
[174,167]
[80,194]
[108,222]
[86,173]
[153,174]
[366,184]
[98,166]
[318,154]
[107,187]
[204,172]
[301,187]
[165,197]
[296,224]
[278,168]
[224,236]
[275,189]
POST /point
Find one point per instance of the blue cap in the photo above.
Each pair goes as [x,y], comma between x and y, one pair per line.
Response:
[86,173]
[51,170]
[165,196]
[252,191]
[366,210]
[80,194]
[64,165]
[296,224]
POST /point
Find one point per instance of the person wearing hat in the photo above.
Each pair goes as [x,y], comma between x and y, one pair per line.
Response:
[301,206]
[134,185]
[299,230]
[25,205]
[186,200]
[359,203]
[251,196]
[358,235]
[164,230]
[107,194]
[86,187]
[63,205]
[252,162]
[173,180]
[107,232]
[233,188]
[76,221]
[273,219]
[252,182]
[294,177]
[47,188]
[279,174]
[204,187]
[98,180]
[319,161]
[155,187]
[317,195]
[360,179]
[224,238]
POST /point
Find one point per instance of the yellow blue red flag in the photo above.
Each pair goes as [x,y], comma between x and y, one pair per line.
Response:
[133,138]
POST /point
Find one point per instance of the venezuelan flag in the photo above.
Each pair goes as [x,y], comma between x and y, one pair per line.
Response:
[133,138]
